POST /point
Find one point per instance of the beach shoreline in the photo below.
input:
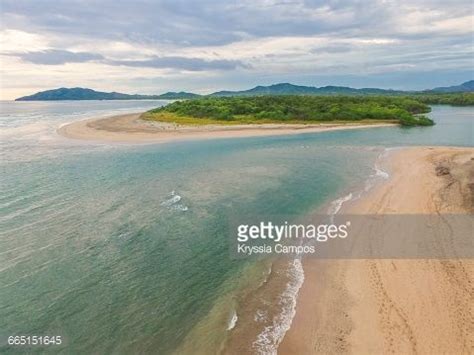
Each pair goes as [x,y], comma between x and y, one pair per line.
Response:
[129,128]
[394,305]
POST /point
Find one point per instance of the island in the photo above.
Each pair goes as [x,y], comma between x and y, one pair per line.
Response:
[228,117]
[261,111]
[295,109]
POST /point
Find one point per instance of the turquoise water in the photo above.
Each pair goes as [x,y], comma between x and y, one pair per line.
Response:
[124,248]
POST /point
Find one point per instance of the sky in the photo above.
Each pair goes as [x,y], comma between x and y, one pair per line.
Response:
[151,47]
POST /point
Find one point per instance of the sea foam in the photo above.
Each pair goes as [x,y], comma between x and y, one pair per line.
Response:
[268,340]
[232,321]
[336,205]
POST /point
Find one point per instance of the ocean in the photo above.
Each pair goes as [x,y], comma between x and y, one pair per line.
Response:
[124,248]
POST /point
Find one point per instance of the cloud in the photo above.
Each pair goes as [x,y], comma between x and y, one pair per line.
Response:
[184,63]
[56,57]
[223,42]
[59,57]
[213,22]
[191,24]
[14,41]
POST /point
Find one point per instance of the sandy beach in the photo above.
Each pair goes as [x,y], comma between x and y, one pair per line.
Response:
[423,306]
[130,128]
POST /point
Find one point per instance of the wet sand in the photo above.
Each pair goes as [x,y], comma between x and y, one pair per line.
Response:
[130,128]
[396,306]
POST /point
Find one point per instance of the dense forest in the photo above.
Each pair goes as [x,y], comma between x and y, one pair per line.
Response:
[455,99]
[294,108]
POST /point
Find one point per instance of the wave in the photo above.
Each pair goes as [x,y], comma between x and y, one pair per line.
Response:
[179,207]
[36,128]
[268,340]
[260,316]
[381,173]
[232,321]
[378,173]
[336,205]
[172,202]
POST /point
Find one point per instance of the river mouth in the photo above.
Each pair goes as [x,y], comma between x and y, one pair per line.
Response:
[98,247]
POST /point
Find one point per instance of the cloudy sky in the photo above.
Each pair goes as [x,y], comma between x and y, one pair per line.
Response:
[146,46]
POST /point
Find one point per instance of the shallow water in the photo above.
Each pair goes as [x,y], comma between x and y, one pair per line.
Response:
[124,248]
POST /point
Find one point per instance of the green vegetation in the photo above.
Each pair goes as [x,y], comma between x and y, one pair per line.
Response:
[455,99]
[293,109]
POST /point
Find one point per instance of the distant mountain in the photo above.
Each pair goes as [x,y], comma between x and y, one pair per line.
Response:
[178,95]
[276,89]
[89,94]
[80,94]
[290,89]
[468,86]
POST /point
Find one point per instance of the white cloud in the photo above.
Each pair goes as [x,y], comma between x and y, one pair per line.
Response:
[13,41]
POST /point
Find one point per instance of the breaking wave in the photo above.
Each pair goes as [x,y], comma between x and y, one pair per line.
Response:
[378,174]
[232,321]
[172,202]
[268,340]
[336,205]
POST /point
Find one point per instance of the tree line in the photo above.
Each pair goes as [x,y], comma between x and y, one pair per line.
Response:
[300,108]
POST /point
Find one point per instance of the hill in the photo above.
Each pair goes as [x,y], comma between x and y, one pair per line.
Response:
[276,89]
[290,89]
[79,94]
[178,95]
[89,94]
[468,86]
